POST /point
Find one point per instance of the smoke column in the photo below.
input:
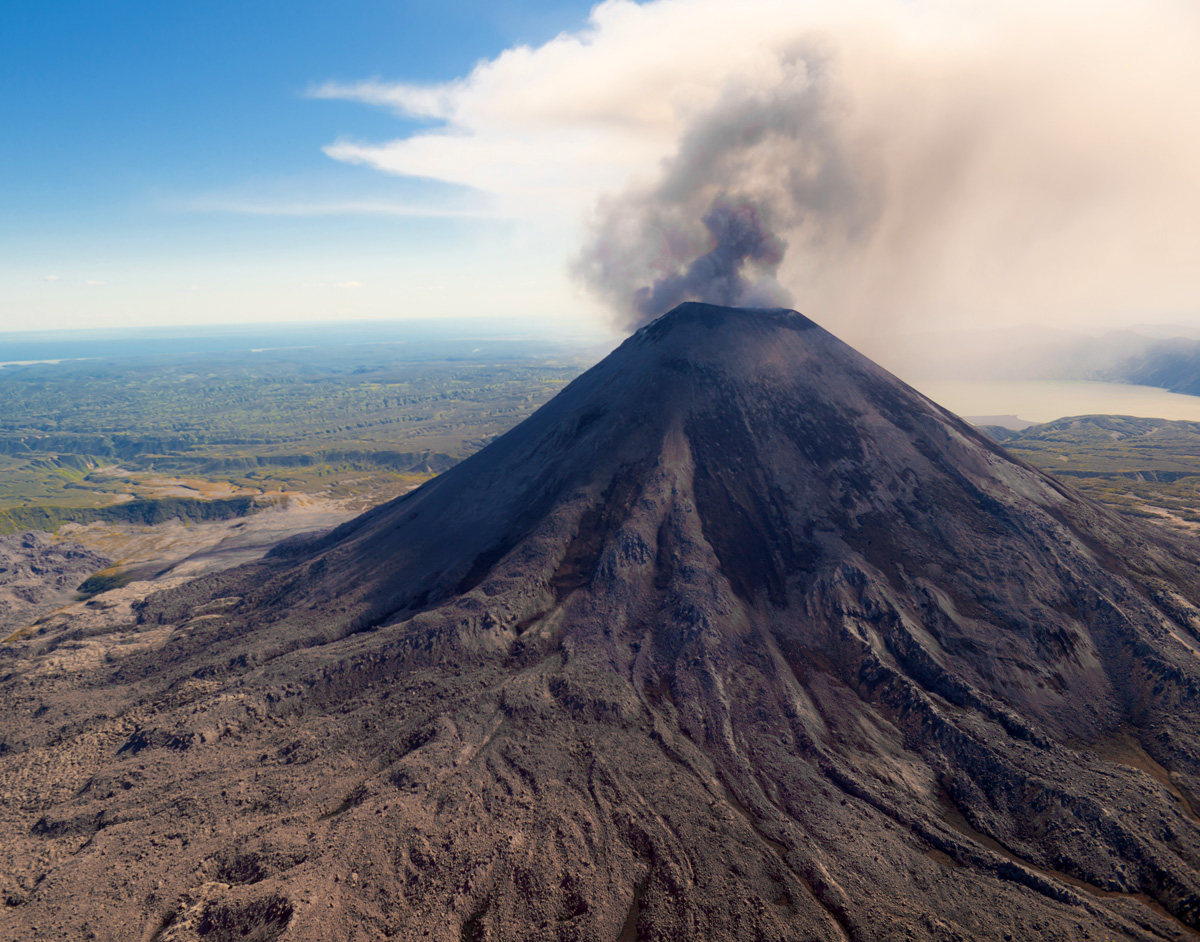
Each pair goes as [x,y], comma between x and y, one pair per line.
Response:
[1012,164]
[739,237]
[762,160]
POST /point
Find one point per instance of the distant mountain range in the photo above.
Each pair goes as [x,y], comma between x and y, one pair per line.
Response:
[1029,353]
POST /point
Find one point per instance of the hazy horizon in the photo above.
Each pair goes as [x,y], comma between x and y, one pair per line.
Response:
[1033,399]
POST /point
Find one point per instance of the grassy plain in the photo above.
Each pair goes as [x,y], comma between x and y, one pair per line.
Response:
[193,436]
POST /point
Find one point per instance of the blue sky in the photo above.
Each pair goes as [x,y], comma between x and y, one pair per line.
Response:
[926,163]
[131,129]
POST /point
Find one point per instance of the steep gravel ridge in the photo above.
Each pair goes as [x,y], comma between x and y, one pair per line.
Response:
[737,638]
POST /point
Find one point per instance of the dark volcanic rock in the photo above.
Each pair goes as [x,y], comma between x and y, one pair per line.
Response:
[737,638]
[38,572]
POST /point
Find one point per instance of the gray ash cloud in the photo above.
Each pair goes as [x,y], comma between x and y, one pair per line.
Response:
[740,241]
[759,163]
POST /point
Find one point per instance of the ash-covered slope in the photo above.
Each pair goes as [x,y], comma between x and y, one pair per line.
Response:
[739,637]
[37,573]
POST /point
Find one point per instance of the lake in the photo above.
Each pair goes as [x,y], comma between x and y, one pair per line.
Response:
[1046,400]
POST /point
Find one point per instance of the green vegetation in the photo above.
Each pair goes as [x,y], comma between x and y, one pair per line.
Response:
[146,512]
[208,436]
[105,579]
[1148,468]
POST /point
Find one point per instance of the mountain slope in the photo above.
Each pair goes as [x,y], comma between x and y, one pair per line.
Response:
[37,573]
[738,637]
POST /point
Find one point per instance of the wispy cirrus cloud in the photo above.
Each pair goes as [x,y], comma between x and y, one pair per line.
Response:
[425,101]
[271,207]
[89,282]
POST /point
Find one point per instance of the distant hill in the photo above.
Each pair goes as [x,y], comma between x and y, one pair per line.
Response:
[1170,364]
[1100,445]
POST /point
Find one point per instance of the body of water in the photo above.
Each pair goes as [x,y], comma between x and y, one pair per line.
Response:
[1046,400]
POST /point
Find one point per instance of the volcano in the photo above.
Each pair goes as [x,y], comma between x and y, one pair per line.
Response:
[739,637]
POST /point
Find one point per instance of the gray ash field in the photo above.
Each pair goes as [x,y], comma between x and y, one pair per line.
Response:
[738,637]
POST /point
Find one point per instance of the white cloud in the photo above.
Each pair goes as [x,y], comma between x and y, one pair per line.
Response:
[251,207]
[52,278]
[1020,158]
[429,101]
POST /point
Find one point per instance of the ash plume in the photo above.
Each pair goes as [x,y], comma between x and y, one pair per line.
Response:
[739,238]
[760,162]
[945,171]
